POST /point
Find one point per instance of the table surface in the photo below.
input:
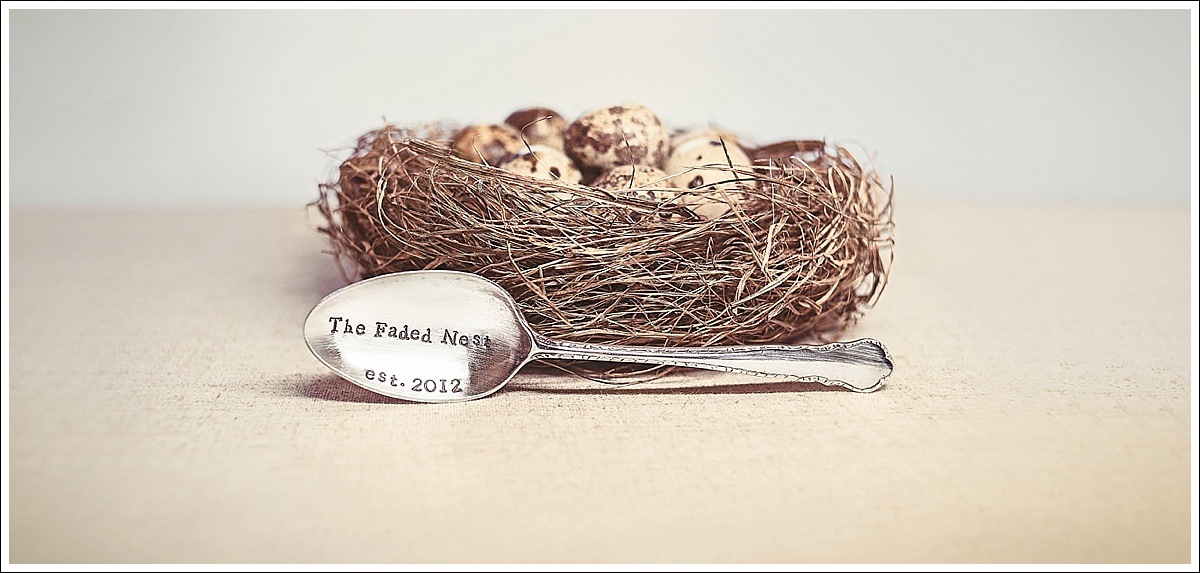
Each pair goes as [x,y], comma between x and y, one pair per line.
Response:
[163,408]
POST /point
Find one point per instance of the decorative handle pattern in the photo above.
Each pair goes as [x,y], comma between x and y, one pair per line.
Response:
[860,365]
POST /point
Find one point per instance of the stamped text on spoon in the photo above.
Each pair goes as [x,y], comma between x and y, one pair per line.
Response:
[341,325]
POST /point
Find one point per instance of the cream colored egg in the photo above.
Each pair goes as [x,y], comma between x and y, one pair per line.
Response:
[679,139]
[628,134]
[714,190]
[540,126]
[487,143]
[543,162]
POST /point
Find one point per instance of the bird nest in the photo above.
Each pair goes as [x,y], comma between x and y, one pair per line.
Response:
[804,249]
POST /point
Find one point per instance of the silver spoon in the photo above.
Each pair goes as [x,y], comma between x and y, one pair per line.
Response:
[446,336]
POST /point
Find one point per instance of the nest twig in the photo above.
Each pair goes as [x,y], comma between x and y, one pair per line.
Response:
[799,259]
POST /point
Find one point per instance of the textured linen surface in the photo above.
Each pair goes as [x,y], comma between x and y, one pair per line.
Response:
[164,408]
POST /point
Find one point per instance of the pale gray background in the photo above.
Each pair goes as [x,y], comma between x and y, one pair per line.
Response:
[209,107]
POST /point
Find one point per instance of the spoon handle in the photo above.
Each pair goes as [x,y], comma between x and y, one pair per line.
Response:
[860,365]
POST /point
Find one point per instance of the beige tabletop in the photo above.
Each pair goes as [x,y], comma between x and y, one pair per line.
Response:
[164,408]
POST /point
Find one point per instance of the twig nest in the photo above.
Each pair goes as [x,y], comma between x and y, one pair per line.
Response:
[808,250]
[543,162]
[708,164]
[487,143]
[786,157]
[540,126]
[628,134]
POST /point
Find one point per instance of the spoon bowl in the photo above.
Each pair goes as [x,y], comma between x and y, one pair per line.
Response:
[428,336]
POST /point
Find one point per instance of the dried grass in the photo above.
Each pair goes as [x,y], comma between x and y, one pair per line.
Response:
[799,260]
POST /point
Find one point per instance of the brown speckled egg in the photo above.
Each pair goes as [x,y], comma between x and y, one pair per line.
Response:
[684,137]
[641,182]
[633,177]
[715,190]
[543,162]
[487,143]
[540,126]
[628,134]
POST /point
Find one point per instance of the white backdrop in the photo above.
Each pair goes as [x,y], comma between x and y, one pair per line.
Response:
[213,107]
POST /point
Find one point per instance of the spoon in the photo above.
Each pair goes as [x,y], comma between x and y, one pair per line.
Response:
[448,336]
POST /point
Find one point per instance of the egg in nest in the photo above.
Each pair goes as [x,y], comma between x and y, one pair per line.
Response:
[487,143]
[543,162]
[699,162]
[643,182]
[628,134]
[539,126]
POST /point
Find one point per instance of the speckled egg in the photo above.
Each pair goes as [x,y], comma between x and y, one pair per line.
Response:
[540,126]
[641,182]
[628,134]
[715,190]
[679,139]
[487,143]
[633,177]
[543,162]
